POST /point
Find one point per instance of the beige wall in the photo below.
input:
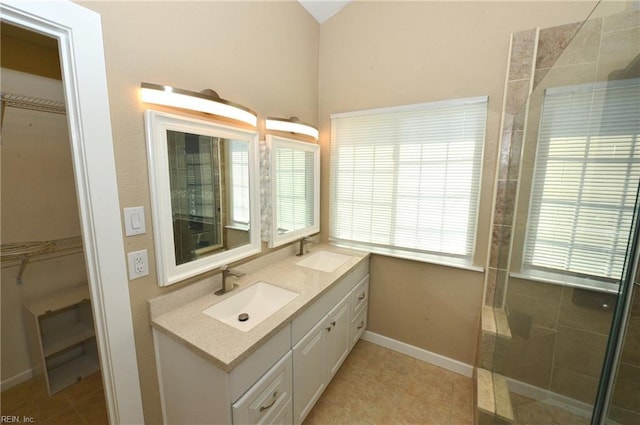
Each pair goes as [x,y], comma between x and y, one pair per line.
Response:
[376,54]
[260,54]
[38,204]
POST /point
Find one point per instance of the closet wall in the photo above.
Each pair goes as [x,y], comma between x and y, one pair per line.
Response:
[38,203]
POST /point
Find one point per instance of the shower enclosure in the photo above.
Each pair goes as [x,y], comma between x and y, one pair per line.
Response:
[561,318]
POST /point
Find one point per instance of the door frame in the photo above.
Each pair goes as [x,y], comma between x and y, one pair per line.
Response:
[79,34]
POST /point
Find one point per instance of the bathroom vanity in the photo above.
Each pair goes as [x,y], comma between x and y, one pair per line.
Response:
[272,372]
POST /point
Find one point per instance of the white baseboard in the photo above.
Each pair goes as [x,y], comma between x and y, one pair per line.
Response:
[419,353]
[522,388]
[16,379]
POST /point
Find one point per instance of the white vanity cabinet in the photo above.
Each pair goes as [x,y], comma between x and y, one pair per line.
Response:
[336,336]
[194,391]
[318,356]
[280,381]
[309,379]
[319,353]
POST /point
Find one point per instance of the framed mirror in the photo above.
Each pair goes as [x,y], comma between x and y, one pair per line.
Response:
[294,176]
[204,194]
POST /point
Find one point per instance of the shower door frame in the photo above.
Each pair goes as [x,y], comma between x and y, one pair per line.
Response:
[79,34]
[619,323]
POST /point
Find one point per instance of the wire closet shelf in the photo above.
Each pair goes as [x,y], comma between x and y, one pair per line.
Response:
[32,103]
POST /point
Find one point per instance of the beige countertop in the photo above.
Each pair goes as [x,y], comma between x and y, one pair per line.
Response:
[226,346]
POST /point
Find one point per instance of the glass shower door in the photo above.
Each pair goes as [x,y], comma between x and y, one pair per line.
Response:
[618,401]
[566,189]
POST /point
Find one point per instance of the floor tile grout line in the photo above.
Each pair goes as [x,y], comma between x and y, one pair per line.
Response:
[66,396]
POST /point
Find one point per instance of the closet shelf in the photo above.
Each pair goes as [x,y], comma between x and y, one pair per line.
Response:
[68,337]
[32,103]
[24,251]
[61,337]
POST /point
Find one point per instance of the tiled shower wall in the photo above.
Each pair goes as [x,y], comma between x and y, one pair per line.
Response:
[558,343]
[519,81]
[625,406]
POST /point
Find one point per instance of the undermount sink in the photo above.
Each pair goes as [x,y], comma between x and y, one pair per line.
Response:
[247,308]
[324,261]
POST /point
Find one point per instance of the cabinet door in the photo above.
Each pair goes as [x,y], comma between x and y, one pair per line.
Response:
[308,372]
[337,337]
[358,325]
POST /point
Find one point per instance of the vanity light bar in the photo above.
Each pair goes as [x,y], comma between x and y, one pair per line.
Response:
[211,104]
[292,126]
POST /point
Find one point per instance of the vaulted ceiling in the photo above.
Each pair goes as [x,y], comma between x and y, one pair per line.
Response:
[323,9]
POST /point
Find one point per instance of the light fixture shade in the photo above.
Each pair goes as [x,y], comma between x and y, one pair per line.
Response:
[179,98]
[291,126]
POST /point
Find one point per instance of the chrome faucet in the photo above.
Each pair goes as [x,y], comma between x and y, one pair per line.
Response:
[303,246]
[228,286]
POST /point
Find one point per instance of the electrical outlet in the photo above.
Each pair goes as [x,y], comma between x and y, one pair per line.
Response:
[138,264]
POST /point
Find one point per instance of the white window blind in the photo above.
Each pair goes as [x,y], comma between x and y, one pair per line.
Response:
[239,175]
[294,177]
[407,178]
[585,180]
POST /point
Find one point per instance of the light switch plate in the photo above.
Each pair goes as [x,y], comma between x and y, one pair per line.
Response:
[134,221]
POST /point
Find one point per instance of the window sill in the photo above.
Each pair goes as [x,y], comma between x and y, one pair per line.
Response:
[238,226]
[440,260]
[570,281]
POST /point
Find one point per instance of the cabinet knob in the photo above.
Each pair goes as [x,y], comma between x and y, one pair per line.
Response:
[361,325]
[333,323]
[328,329]
[361,297]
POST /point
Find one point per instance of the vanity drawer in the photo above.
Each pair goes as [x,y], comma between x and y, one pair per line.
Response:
[283,417]
[264,402]
[358,326]
[360,296]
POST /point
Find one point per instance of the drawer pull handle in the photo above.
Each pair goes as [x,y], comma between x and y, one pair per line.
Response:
[274,397]
[361,297]
[361,325]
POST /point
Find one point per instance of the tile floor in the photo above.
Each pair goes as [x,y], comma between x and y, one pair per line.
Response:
[377,386]
[374,386]
[80,404]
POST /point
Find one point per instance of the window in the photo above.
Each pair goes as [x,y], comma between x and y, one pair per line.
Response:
[239,176]
[405,180]
[295,184]
[585,180]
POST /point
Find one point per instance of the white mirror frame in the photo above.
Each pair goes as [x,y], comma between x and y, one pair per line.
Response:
[156,125]
[276,239]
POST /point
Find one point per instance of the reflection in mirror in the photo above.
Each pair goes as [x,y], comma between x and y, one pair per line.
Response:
[194,169]
[295,189]
[201,186]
